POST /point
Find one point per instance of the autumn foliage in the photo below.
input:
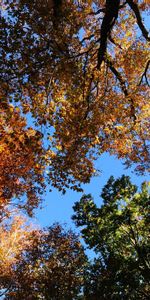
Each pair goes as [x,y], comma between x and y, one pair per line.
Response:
[49,267]
[21,168]
[14,238]
[81,70]
[74,85]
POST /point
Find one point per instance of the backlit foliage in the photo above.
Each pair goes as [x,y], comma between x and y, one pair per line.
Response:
[51,268]
[21,162]
[81,69]
[74,84]
[15,236]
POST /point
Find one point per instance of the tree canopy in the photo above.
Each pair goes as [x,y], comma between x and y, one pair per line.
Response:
[119,234]
[74,84]
[79,69]
[50,266]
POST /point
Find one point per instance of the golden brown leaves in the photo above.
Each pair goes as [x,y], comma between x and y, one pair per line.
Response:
[51,265]
[21,168]
[84,111]
[14,238]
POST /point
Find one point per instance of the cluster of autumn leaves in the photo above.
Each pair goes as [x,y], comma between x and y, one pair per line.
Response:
[74,84]
[21,168]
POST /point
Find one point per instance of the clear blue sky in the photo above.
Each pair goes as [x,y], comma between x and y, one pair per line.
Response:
[58,207]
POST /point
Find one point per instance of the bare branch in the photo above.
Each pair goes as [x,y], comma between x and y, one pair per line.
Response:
[145,74]
[87,38]
[98,11]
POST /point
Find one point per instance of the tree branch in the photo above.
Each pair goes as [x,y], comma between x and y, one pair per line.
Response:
[145,74]
[122,84]
[97,12]
[118,76]
[136,11]
[87,38]
[110,17]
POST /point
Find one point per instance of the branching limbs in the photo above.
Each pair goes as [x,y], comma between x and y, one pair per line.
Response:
[136,11]
[122,84]
[111,14]
[145,74]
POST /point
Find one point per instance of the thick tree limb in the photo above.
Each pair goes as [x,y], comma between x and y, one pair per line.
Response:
[111,15]
[136,11]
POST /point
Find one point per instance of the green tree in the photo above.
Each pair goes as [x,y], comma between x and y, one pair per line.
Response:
[118,232]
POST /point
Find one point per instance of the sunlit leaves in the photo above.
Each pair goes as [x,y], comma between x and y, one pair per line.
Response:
[14,238]
[50,61]
[50,268]
[21,168]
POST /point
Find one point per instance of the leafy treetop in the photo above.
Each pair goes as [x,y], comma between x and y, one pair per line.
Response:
[118,232]
[49,267]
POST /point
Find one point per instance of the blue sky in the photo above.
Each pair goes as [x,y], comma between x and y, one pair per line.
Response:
[58,207]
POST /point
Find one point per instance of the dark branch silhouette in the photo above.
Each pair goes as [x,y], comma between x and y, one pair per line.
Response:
[111,15]
[123,86]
